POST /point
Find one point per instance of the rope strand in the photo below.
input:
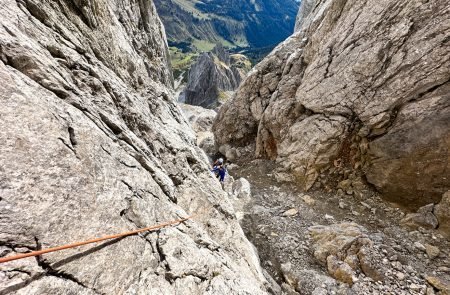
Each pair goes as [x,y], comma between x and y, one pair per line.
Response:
[110,237]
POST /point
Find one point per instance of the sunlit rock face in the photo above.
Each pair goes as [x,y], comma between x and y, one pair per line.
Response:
[361,87]
[93,143]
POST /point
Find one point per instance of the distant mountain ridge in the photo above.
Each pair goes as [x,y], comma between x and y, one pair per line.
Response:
[234,23]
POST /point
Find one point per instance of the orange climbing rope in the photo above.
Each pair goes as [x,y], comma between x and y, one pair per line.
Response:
[110,237]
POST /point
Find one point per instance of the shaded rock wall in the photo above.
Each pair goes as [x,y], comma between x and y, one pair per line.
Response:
[212,78]
[361,86]
[93,143]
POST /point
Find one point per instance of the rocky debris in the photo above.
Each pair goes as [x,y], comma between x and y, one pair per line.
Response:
[352,185]
[423,218]
[351,257]
[442,212]
[389,264]
[213,78]
[201,120]
[93,143]
[313,282]
[306,281]
[360,87]
[232,166]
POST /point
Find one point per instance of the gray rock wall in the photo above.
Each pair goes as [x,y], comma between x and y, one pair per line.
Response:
[305,9]
[201,121]
[361,86]
[93,143]
[212,78]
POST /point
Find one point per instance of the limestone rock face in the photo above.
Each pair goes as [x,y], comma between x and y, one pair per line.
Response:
[199,118]
[201,121]
[213,78]
[305,9]
[93,143]
[361,86]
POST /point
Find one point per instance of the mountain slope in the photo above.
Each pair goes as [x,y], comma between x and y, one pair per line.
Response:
[243,23]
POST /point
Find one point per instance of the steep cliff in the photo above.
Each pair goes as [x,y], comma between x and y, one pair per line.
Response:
[93,143]
[362,88]
[214,76]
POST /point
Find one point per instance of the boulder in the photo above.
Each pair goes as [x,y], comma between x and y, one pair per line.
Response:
[339,270]
[440,284]
[442,212]
[331,240]
[307,281]
[345,249]
[360,86]
[432,251]
[241,189]
[420,246]
[423,218]
[370,264]
[289,274]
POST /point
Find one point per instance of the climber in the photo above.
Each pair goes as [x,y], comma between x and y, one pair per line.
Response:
[219,170]
[218,162]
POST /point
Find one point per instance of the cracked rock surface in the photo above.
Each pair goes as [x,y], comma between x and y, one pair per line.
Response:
[93,143]
[361,87]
